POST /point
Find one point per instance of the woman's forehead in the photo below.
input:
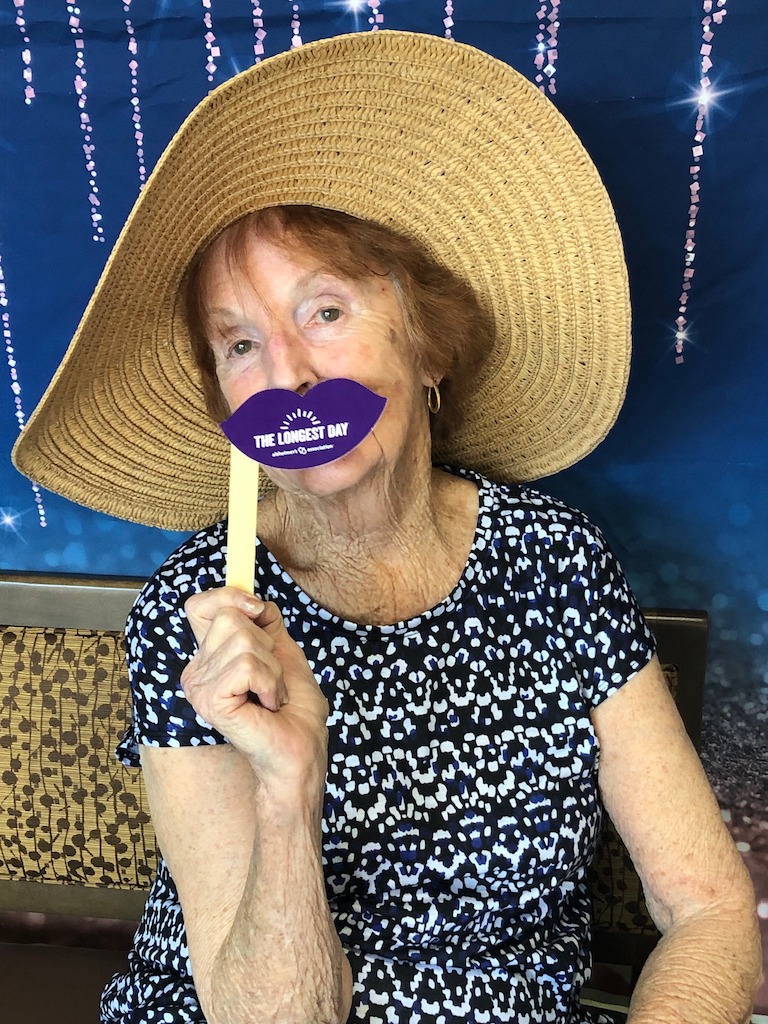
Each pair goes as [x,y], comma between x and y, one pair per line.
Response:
[255,261]
[312,237]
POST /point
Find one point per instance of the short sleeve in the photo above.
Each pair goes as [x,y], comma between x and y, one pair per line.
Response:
[605,630]
[159,643]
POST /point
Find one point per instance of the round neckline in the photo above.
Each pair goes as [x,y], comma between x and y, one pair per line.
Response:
[299,600]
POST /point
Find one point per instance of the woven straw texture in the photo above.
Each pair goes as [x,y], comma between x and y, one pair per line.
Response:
[431,137]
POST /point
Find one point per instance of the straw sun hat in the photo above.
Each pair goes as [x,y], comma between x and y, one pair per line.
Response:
[430,137]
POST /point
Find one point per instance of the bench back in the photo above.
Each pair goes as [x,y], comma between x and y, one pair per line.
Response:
[75,831]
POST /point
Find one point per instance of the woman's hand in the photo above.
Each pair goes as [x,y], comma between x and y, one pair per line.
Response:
[240,823]
[251,681]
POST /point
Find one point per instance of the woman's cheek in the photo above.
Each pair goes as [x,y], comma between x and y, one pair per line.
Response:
[238,380]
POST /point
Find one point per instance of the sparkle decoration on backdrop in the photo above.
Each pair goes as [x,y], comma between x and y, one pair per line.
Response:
[210,41]
[26,53]
[295,25]
[448,20]
[259,32]
[81,88]
[545,60]
[714,13]
[9,518]
[376,19]
[133,65]
[353,7]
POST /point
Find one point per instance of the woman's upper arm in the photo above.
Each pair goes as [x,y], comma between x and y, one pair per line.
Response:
[656,792]
[202,801]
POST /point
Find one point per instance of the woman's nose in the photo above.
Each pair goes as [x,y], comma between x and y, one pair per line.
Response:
[289,363]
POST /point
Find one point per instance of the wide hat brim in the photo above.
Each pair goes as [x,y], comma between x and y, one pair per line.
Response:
[431,137]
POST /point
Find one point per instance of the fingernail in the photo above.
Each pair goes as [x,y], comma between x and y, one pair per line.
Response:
[254,606]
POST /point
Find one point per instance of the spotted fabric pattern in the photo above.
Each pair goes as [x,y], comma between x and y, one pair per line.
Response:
[461,808]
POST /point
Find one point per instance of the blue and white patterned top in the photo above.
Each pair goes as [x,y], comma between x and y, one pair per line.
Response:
[461,808]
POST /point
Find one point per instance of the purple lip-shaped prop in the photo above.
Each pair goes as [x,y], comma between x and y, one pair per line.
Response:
[281,429]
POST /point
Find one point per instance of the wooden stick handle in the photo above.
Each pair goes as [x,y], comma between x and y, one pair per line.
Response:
[241,530]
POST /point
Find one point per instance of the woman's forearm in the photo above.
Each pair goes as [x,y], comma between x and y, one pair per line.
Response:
[704,970]
[282,962]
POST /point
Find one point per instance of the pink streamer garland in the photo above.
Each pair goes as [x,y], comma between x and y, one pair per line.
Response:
[714,13]
[133,66]
[295,25]
[545,60]
[376,19]
[448,20]
[214,51]
[81,88]
[7,517]
[259,32]
[26,53]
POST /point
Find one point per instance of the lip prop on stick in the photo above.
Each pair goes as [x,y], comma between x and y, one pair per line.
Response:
[280,429]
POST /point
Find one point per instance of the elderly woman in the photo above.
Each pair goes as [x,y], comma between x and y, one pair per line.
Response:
[377,784]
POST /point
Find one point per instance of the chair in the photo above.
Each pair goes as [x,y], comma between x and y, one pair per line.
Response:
[77,850]
[76,841]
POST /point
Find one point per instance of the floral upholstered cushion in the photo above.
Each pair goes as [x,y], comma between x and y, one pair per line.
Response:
[69,812]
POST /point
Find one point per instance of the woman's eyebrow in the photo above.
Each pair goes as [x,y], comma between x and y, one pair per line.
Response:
[227,315]
[320,275]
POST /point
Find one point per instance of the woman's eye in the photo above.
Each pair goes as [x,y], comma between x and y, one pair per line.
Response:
[329,315]
[241,348]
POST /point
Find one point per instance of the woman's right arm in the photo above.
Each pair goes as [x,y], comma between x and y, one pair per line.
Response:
[239,825]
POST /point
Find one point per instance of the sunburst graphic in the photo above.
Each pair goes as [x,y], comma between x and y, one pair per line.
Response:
[307,416]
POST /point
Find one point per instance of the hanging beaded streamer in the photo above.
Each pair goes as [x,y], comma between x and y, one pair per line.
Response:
[448,20]
[133,66]
[9,518]
[714,13]
[295,25]
[376,20]
[214,51]
[545,60]
[259,32]
[26,53]
[81,88]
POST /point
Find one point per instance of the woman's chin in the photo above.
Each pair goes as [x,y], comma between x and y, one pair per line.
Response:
[324,481]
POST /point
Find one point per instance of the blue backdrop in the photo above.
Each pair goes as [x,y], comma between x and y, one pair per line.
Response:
[669,99]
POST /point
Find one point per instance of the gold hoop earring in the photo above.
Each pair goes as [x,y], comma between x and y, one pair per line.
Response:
[433,399]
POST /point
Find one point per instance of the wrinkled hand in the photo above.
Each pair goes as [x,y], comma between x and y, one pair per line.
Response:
[245,652]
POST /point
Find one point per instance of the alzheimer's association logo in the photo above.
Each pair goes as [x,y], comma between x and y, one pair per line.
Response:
[280,428]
